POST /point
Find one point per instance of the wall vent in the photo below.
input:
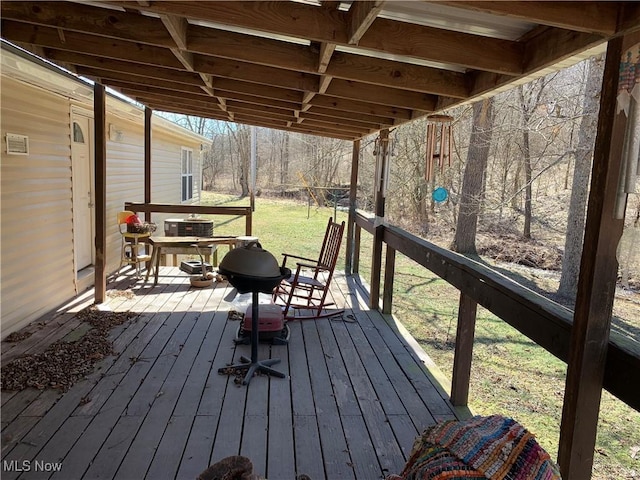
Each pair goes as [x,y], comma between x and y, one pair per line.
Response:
[17,144]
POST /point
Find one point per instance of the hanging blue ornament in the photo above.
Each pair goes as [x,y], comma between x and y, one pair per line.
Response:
[440,194]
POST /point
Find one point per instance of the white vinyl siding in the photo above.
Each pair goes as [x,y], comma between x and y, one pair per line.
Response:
[36,206]
[37,229]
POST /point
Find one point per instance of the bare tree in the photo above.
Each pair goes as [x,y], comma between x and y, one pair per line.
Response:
[583,157]
[529,96]
[473,181]
[241,135]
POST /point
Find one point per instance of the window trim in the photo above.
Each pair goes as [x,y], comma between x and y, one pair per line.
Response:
[186,174]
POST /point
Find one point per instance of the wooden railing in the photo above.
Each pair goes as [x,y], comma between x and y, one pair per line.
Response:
[150,208]
[542,320]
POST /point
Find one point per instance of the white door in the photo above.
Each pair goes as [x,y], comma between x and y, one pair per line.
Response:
[82,165]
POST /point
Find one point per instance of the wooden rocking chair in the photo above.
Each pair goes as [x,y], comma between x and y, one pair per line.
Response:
[310,291]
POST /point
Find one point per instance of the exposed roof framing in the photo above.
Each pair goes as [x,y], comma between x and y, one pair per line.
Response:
[337,69]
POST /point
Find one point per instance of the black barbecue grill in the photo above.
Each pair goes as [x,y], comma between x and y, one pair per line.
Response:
[252,269]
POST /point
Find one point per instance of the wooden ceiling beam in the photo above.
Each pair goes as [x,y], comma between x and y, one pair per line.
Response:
[361,16]
[177,28]
[173,107]
[79,59]
[90,44]
[256,100]
[219,43]
[390,97]
[630,17]
[337,127]
[541,51]
[262,111]
[265,112]
[264,91]
[444,46]
[366,108]
[345,66]
[359,117]
[85,18]
[185,58]
[293,127]
[300,127]
[250,72]
[148,98]
[545,50]
[347,123]
[322,25]
[140,90]
[248,48]
[588,17]
[324,56]
[124,81]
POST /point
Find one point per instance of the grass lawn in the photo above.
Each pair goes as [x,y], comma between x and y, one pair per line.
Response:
[511,375]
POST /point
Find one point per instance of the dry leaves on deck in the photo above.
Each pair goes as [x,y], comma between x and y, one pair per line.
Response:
[65,362]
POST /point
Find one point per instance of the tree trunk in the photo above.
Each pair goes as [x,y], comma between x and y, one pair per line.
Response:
[526,160]
[473,180]
[284,159]
[579,191]
[527,179]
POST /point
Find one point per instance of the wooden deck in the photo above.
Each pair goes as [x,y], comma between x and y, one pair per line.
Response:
[355,397]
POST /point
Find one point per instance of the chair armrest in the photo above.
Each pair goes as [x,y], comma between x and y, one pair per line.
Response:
[288,255]
[314,266]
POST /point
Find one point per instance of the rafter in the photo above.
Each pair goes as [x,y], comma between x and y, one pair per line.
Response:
[589,17]
[177,28]
[89,44]
[343,65]
[389,36]
[348,72]
[324,57]
[361,16]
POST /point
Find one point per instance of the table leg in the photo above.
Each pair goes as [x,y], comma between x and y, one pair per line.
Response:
[151,264]
[157,267]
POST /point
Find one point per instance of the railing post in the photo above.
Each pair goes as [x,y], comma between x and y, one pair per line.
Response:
[464,350]
[248,223]
[382,159]
[353,187]
[357,234]
[389,275]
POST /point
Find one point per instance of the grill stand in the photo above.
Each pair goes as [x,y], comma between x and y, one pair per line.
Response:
[253,365]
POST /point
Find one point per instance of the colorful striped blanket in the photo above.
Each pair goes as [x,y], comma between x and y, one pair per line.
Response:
[494,447]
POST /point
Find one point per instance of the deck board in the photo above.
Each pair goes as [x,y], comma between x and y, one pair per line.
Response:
[355,397]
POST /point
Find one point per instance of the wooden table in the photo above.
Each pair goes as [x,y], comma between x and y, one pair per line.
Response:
[158,243]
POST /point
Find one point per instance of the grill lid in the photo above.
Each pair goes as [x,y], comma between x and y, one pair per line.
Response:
[250,260]
[252,269]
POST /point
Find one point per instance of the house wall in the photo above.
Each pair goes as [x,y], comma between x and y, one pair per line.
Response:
[36,227]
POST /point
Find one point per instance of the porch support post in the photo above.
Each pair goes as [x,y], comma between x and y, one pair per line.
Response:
[465,335]
[147,159]
[596,284]
[351,222]
[100,158]
[381,180]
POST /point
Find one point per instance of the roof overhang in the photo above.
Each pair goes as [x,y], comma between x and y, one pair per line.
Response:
[336,69]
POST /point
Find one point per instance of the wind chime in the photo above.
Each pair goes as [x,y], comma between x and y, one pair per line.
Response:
[439,141]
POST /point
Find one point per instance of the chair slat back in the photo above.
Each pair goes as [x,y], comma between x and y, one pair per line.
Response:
[331,245]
